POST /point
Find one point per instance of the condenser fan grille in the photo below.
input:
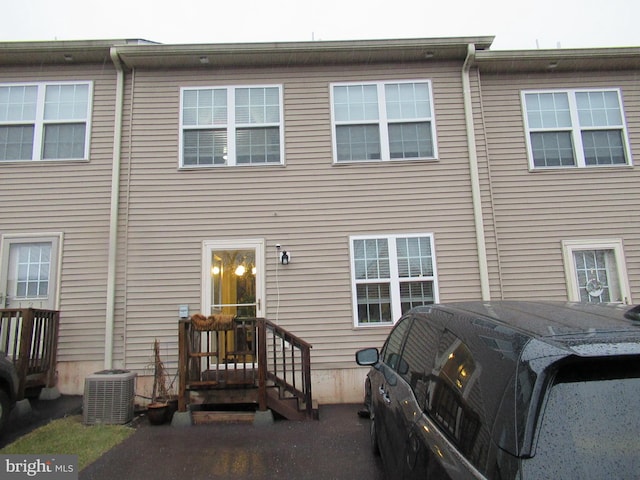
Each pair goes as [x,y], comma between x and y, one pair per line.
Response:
[109,397]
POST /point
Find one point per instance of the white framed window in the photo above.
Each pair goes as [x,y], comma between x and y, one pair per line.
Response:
[229,126]
[391,274]
[30,270]
[575,128]
[595,271]
[45,121]
[380,121]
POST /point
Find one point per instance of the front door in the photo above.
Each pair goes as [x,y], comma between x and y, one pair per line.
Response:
[233,284]
[233,277]
[29,271]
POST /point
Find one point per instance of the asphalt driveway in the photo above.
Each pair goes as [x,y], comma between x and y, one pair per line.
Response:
[334,447]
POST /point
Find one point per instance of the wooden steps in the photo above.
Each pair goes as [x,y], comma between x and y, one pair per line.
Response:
[290,407]
[204,417]
[272,372]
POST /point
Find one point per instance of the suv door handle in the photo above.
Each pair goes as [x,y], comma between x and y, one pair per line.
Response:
[385,394]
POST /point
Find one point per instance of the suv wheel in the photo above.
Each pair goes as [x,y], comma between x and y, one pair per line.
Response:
[5,409]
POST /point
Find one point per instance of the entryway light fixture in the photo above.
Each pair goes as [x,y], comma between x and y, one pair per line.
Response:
[283,255]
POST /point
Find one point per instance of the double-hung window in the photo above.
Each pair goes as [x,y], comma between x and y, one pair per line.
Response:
[231,126]
[390,275]
[45,121]
[575,128]
[383,121]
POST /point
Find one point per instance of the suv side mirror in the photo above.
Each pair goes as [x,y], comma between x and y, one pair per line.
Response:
[367,357]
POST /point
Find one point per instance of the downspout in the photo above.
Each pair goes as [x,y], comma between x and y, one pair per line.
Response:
[115,205]
[475,176]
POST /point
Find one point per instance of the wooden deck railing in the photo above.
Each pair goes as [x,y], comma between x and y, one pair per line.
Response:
[283,361]
[215,358]
[29,337]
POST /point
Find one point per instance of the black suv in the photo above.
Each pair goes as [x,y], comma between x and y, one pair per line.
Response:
[8,389]
[508,390]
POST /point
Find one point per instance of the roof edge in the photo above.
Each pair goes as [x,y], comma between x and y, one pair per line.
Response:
[296,53]
[614,58]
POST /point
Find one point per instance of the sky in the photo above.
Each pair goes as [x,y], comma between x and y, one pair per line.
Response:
[515,24]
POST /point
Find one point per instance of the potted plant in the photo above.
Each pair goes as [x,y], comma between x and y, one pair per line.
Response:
[159,410]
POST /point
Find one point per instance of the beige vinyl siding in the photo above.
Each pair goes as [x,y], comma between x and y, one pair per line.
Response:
[71,197]
[485,180]
[310,206]
[535,211]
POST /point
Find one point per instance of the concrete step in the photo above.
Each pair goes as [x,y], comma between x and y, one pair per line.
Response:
[204,417]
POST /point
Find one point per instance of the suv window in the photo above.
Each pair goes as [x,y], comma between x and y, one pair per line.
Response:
[577,442]
[392,349]
[454,398]
[418,354]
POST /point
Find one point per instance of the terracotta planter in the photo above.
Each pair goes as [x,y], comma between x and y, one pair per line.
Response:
[157,413]
[172,405]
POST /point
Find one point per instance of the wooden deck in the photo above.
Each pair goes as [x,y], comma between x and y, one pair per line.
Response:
[244,360]
[29,337]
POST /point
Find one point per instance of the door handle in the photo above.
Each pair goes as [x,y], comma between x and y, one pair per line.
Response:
[385,394]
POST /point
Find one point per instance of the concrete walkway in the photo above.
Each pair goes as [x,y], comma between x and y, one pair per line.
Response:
[335,447]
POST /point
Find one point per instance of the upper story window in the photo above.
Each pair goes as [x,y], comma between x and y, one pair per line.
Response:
[575,128]
[383,121]
[391,275]
[45,121]
[232,126]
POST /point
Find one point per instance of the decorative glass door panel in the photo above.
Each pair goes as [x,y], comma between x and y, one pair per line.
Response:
[233,282]
[233,288]
[29,271]
[597,276]
[595,271]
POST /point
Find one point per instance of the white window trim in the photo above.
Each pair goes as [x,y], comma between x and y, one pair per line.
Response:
[257,244]
[615,244]
[231,126]
[40,122]
[382,122]
[55,238]
[394,279]
[575,129]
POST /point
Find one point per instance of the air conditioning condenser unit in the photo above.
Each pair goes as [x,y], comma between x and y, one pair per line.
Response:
[109,397]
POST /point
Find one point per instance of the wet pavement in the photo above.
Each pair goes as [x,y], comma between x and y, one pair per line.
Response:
[334,447]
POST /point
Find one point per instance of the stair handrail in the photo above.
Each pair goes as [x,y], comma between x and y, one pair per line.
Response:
[271,372]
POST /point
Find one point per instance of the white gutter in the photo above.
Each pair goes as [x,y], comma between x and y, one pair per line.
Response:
[475,177]
[113,220]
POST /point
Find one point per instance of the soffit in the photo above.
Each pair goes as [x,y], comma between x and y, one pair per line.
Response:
[59,52]
[297,53]
[560,60]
